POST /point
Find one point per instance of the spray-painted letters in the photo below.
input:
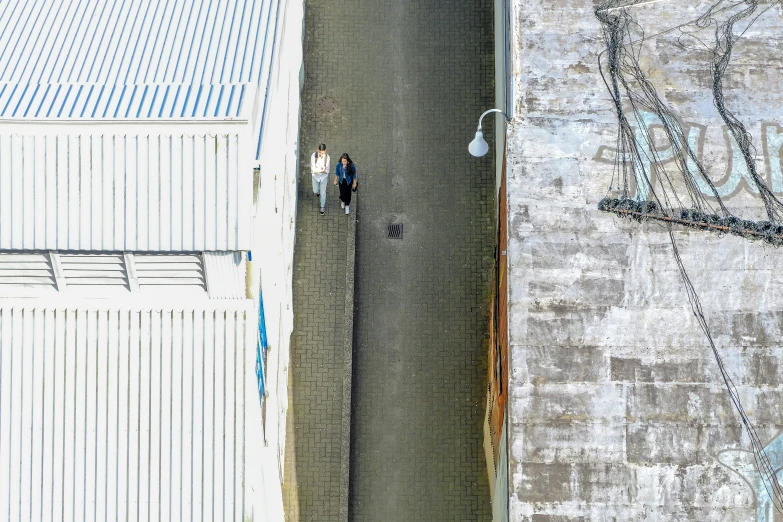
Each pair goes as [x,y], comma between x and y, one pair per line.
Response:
[733,180]
[743,463]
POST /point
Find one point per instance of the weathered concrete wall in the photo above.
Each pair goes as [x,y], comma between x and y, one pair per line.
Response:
[618,411]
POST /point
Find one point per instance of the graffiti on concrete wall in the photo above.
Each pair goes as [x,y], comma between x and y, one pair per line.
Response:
[733,180]
[743,463]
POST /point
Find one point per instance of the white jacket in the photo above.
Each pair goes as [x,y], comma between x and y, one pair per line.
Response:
[318,167]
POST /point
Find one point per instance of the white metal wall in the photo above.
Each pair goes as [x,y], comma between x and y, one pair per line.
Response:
[125,415]
[143,192]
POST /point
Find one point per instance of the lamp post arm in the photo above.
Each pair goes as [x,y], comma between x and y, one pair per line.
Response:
[487,112]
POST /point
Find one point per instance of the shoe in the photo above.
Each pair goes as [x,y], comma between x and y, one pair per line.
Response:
[323,211]
[347,209]
[342,205]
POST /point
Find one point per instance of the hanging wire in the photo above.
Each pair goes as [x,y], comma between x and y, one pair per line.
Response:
[677,198]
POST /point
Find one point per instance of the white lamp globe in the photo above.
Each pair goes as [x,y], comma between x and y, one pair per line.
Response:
[478,147]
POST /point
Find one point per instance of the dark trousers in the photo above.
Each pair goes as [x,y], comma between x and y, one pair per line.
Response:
[345,192]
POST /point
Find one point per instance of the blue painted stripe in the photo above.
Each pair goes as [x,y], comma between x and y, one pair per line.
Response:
[5,51]
[56,94]
[209,45]
[230,99]
[1,97]
[119,102]
[89,45]
[195,103]
[72,63]
[206,102]
[21,98]
[263,47]
[5,107]
[86,102]
[32,99]
[174,103]
[244,51]
[163,103]
[127,46]
[141,103]
[138,34]
[111,41]
[171,51]
[152,102]
[146,42]
[230,31]
[95,42]
[266,90]
[220,98]
[108,102]
[76,99]
[60,112]
[182,44]
[155,43]
[197,56]
[43,99]
[101,45]
[130,102]
[185,103]
[241,96]
[67,26]
[97,101]
[37,37]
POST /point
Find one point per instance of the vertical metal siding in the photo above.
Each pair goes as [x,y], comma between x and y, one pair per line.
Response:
[115,192]
[124,415]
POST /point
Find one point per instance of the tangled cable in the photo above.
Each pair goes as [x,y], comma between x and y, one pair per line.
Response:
[679,197]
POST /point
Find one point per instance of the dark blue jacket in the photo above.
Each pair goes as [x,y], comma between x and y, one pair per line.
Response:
[342,175]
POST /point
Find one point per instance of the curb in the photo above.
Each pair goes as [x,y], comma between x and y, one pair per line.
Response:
[345,450]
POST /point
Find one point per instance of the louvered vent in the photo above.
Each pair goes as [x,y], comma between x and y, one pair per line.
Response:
[93,269]
[169,270]
[28,269]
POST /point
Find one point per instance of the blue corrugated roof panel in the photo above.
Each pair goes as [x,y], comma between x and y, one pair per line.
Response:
[147,101]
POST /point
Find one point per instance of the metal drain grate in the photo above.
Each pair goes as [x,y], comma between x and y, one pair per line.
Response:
[325,105]
[394,231]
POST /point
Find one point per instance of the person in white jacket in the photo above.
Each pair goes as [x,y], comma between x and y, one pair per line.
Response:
[319,166]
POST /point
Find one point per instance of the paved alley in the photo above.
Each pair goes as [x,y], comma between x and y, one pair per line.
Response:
[400,87]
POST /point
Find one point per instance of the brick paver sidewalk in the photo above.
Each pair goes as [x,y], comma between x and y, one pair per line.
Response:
[315,482]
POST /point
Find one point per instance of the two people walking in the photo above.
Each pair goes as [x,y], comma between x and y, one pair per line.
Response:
[345,177]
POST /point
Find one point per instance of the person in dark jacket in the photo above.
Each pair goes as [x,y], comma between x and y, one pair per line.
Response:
[345,178]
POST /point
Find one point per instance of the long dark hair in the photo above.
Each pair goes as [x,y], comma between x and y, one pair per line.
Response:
[350,166]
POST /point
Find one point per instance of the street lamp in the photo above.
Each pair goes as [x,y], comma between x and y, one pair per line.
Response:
[478,147]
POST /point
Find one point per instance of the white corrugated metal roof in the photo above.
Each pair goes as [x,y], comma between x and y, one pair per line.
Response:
[139,59]
[122,414]
[143,189]
[135,42]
